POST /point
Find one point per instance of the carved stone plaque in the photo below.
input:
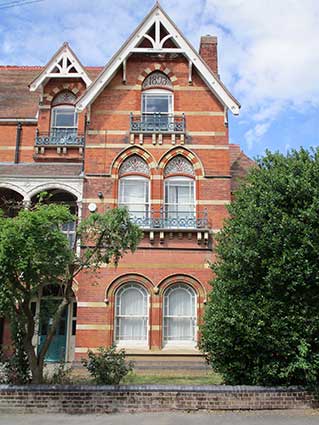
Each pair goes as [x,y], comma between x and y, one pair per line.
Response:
[157,79]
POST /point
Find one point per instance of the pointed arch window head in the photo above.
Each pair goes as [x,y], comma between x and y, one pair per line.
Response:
[179,165]
[65,97]
[134,165]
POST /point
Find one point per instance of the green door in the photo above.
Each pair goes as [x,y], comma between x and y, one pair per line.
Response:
[57,349]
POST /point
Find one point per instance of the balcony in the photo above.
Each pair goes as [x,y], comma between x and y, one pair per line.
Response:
[60,143]
[59,138]
[170,220]
[157,125]
[166,224]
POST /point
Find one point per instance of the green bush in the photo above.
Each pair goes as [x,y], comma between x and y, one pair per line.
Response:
[108,366]
[261,323]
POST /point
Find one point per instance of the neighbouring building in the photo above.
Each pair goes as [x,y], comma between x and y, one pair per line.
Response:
[149,131]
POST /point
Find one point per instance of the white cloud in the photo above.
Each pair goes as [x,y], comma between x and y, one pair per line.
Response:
[268,49]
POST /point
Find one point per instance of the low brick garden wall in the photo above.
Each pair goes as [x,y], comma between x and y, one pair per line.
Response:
[149,398]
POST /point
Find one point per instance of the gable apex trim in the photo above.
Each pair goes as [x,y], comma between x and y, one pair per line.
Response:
[157,17]
[64,60]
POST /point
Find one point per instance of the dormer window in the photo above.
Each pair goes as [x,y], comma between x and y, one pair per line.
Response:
[64,119]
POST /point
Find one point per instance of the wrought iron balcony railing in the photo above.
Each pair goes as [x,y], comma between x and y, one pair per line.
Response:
[157,123]
[59,137]
[167,219]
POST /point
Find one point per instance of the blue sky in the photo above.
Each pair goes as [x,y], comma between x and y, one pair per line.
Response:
[268,53]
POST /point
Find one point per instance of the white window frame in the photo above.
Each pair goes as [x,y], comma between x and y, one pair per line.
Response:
[147,193]
[54,112]
[131,343]
[169,343]
[167,204]
[158,92]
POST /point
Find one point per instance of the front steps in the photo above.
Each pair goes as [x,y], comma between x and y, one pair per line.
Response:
[179,362]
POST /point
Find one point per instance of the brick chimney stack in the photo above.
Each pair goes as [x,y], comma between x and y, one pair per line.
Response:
[208,51]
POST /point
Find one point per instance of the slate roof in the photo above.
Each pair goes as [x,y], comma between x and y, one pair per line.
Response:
[239,165]
[16,100]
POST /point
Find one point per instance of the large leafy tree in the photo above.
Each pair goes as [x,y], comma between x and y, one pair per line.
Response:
[34,252]
[262,318]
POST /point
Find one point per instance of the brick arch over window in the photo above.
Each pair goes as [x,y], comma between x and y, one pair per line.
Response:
[181,151]
[64,97]
[136,150]
[127,278]
[52,92]
[185,279]
[160,67]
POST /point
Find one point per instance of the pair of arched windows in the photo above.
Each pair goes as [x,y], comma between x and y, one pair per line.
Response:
[179,191]
[132,315]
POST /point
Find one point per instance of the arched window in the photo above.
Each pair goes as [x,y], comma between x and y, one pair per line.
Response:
[64,119]
[157,102]
[179,315]
[131,314]
[179,193]
[134,189]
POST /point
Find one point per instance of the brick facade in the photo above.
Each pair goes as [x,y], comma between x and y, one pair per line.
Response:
[167,256]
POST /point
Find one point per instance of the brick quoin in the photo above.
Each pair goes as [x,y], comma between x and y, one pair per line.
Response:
[90,173]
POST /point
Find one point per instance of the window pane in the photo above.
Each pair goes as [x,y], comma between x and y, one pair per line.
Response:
[132,303]
[132,329]
[179,314]
[131,311]
[134,195]
[157,103]
[64,117]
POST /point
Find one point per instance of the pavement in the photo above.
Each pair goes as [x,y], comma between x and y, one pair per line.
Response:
[283,417]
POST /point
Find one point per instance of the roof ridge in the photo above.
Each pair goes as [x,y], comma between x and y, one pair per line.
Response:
[36,67]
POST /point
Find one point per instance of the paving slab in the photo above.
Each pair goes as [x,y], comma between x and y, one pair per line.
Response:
[287,417]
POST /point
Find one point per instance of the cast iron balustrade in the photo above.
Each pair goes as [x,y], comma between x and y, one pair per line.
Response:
[59,137]
[167,219]
[157,123]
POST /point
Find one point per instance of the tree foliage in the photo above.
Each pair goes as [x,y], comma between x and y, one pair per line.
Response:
[34,252]
[262,318]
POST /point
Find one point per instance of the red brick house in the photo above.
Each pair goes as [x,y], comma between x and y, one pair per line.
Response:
[148,131]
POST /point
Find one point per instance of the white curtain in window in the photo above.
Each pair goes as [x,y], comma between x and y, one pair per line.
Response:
[131,313]
[134,195]
[179,314]
[179,197]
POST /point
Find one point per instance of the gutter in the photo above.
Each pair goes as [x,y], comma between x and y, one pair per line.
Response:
[19,120]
